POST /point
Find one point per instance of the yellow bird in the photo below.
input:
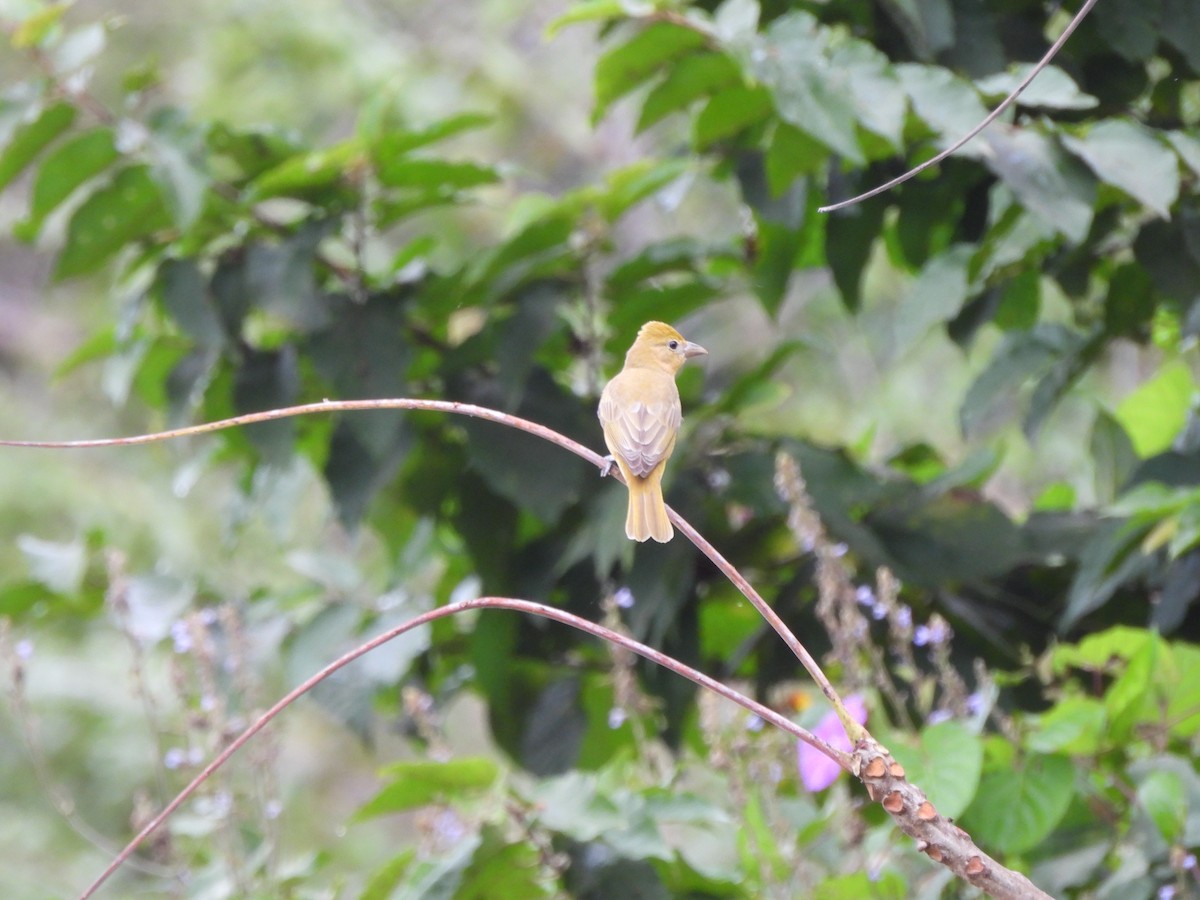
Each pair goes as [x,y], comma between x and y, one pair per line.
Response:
[640,414]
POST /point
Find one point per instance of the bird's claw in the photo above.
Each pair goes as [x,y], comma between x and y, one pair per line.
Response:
[610,463]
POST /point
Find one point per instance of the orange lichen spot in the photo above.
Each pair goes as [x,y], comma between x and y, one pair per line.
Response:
[875,768]
[894,802]
[926,812]
[896,770]
[974,866]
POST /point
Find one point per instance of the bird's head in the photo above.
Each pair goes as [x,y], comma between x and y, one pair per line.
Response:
[661,346]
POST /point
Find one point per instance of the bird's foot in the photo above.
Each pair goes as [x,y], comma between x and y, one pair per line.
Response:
[610,463]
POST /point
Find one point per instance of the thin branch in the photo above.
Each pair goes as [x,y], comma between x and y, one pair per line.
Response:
[491,415]
[525,606]
[991,117]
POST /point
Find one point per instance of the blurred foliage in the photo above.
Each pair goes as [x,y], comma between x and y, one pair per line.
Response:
[257,266]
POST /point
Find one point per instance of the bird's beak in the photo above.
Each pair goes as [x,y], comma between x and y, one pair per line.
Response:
[690,350]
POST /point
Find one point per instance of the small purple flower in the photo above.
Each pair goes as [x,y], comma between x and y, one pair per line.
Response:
[617,717]
[181,636]
[878,612]
[273,809]
[1189,861]
[754,723]
[839,550]
[24,648]
[975,703]
[818,771]
[865,595]
[938,716]
[1166,892]
[904,617]
[173,758]
[623,598]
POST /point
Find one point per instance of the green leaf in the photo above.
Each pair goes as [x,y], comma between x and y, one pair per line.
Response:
[1130,157]
[729,113]
[1113,456]
[1051,89]
[934,297]
[791,154]
[630,185]
[1156,412]
[1022,355]
[1182,30]
[1130,303]
[1188,148]
[849,236]
[691,78]
[1130,695]
[587,11]
[34,29]
[128,208]
[792,59]
[29,139]
[1016,808]
[1108,560]
[60,567]
[1054,385]
[71,164]
[434,174]
[876,95]
[863,885]
[388,144]
[1075,726]
[1020,302]
[628,65]
[949,105]
[422,782]
[306,173]
[946,761]
[1131,27]
[1162,796]
[1047,181]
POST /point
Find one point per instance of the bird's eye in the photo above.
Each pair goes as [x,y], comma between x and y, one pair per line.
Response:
[674,345]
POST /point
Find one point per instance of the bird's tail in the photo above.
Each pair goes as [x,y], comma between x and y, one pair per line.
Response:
[647,517]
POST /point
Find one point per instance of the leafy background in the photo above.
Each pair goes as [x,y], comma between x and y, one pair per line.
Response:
[987,376]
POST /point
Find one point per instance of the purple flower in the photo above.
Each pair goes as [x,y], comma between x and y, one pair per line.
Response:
[818,771]
[623,598]
[616,717]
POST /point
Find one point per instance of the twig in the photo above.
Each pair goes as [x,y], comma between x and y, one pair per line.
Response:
[991,117]
[524,606]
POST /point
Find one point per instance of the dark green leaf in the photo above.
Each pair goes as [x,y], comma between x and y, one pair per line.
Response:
[1110,559]
[1131,27]
[29,139]
[729,113]
[1130,303]
[1112,454]
[126,209]
[691,78]
[65,169]
[1020,302]
[850,234]
[1020,357]
[791,154]
[1054,385]
[628,65]
[1182,30]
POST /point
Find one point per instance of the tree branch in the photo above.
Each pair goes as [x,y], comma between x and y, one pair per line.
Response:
[991,117]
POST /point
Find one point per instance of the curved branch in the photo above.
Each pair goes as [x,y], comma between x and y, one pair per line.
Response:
[502,418]
[991,117]
[537,609]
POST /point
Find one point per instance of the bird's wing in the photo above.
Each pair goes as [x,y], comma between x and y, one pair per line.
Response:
[641,417]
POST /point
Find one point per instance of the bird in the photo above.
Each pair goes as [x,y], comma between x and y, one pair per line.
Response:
[640,414]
